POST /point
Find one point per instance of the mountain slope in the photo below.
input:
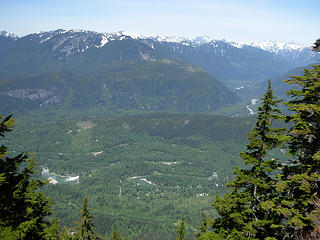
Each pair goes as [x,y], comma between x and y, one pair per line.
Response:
[163,85]
[281,87]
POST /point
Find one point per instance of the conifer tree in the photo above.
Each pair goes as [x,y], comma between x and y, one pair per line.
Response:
[115,235]
[316,46]
[65,234]
[299,183]
[203,226]
[23,209]
[86,225]
[181,231]
[243,212]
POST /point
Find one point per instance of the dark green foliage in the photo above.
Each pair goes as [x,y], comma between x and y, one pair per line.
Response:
[164,86]
[140,86]
[299,182]
[244,211]
[85,225]
[316,46]
[179,153]
[24,210]
[181,229]
[115,235]
[262,207]
[203,227]
[65,234]
[208,235]
[6,125]
[280,87]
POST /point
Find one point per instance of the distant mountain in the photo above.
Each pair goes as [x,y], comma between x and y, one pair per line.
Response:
[281,87]
[79,50]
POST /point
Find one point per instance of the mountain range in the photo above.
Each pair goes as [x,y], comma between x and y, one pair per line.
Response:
[252,61]
[126,71]
[89,39]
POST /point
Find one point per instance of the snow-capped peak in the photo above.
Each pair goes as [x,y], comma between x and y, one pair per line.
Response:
[8,34]
[67,42]
[276,46]
[185,41]
[130,34]
[80,31]
[106,37]
[272,46]
[171,39]
[201,40]
[238,44]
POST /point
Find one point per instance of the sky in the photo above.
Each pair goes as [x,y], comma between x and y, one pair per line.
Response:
[233,20]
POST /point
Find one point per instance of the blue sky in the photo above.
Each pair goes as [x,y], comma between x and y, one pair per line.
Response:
[238,20]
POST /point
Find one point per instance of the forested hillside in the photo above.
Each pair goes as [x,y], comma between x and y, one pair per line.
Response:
[145,170]
[165,86]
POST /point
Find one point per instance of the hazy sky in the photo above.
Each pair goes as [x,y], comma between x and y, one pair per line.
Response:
[251,20]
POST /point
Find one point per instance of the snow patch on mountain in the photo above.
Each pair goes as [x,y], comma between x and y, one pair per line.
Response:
[170,39]
[237,44]
[238,88]
[104,41]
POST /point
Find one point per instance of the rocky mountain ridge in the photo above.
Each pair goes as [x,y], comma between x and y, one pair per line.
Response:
[75,41]
[88,51]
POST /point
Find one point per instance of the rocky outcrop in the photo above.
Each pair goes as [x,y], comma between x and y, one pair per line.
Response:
[44,96]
